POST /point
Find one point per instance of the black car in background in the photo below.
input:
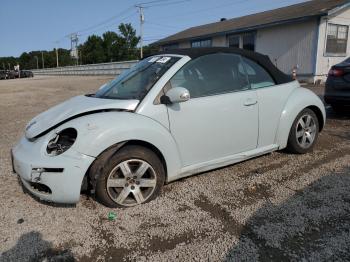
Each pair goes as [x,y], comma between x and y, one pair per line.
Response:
[3,74]
[11,74]
[26,73]
[337,92]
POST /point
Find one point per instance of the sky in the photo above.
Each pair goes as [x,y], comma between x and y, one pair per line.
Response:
[42,24]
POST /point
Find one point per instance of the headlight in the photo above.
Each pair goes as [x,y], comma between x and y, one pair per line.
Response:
[62,142]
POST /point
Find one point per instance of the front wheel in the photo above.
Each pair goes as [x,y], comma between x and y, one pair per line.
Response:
[304,132]
[133,176]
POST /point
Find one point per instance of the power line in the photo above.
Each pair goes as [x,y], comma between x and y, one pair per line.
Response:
[166,4]
[98,25]
[203,10]
[161,25]
[107,20]
[207,9]
[102,24]
[109,25]
[190,13]
[141,6]
[154,1]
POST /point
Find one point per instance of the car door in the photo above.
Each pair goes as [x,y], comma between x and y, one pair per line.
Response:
[221,117]
[271,97]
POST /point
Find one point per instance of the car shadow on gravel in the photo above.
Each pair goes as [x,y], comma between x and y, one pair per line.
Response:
[313,225]
[31,247]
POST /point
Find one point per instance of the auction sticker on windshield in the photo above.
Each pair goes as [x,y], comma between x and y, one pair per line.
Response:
[163,60]
[153,59]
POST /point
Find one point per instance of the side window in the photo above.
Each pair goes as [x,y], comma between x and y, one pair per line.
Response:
[212,74]
[257,75]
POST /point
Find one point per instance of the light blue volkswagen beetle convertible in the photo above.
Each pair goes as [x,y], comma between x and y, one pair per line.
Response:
[170,116]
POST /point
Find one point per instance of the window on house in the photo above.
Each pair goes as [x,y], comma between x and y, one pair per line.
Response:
[233,41]
[244,41]
[170,46]
[201,43]
[337,39]
[249,41]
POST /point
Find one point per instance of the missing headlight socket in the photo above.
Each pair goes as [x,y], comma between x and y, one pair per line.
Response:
[62,141]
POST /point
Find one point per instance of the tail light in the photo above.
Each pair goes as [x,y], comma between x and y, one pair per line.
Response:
[336,72]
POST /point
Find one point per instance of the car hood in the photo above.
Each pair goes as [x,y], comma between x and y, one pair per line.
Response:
[73,108]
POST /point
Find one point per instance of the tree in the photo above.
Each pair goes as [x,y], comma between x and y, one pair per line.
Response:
[64,58]
[92,50]
[25,60]
[110,46]
[8,62]
[128,42]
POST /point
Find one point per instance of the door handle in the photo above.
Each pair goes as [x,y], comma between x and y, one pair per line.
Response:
[250,102]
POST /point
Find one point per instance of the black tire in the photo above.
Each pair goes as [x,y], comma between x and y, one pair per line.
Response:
[108,163]
[294,145]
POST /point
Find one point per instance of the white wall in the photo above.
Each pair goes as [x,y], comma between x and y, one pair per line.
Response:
[185,44]
[302,44]
[290,45]
[324,61]
[219,41]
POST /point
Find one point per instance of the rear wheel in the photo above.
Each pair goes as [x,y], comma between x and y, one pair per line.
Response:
[133,176]
[304,132]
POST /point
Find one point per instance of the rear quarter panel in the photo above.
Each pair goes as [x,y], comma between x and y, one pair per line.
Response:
[298,100]
[272,101]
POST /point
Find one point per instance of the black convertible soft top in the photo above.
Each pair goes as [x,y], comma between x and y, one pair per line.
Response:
[263,60]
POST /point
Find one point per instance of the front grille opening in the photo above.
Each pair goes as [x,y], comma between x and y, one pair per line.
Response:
[41,188]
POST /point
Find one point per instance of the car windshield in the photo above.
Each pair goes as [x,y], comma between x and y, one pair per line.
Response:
[137,81]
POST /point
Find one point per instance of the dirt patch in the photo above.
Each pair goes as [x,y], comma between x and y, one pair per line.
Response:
[216,211]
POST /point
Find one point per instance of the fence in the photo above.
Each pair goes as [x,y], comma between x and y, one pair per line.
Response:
[114,68]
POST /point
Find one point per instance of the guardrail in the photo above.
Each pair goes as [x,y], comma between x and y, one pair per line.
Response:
[114,68]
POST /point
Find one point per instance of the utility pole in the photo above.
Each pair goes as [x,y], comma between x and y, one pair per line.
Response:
[37,62]
[42,59]
[80,56]
[74,47]
[56,53]
[142,21]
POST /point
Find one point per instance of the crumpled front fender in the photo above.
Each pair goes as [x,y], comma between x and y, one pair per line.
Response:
[100,131]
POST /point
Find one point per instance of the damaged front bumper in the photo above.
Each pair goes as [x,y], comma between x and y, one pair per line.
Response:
[51,178]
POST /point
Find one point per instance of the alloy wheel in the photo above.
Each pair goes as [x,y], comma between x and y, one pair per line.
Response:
[131,182]
[306,131]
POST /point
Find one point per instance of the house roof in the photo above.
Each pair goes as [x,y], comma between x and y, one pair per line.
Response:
[282,15]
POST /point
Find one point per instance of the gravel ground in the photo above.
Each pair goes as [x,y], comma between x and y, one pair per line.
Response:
[278,207]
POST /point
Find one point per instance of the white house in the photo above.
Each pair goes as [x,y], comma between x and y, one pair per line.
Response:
[311,36]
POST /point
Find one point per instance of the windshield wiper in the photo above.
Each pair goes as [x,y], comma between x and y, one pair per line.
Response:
[119,98]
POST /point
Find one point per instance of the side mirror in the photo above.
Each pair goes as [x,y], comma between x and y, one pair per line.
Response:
[176,95]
